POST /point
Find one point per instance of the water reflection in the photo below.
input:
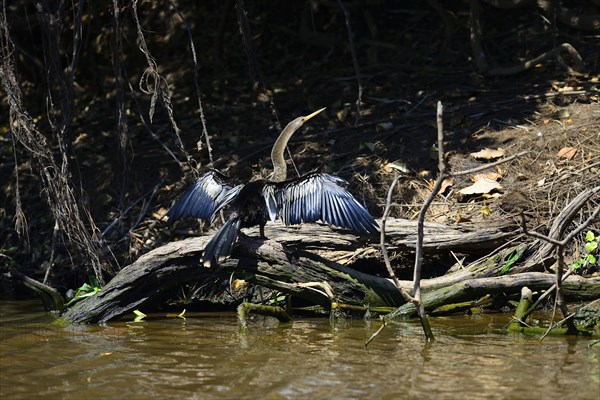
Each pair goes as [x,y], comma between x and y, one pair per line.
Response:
[205,357]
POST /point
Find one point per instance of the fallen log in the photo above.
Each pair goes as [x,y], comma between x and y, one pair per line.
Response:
[160,272]
[282,264]
[401,235]
[575,288]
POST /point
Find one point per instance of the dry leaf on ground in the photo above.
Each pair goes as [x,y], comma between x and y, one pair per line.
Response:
[567,152]
[458,218]
[481,186]
[488,154]
[492,176]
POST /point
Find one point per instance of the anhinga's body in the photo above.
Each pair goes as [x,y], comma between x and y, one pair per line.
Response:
[309,198]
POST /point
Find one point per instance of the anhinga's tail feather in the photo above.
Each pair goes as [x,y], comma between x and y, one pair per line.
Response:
[221,244]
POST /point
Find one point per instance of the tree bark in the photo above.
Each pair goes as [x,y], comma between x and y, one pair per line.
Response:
[310,254]
[304,253]
[575,288]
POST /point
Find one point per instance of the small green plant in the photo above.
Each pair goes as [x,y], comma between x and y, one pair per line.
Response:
[86,290]
[512,258]
[139,316]
[591,246]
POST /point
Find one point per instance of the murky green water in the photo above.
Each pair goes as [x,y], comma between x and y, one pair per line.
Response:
[204,357]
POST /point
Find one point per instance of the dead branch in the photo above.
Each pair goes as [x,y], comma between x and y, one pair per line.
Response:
[384,251]
[154,84]
[574,287]
[196,85]
[52,300]
[560,254]
[545,256]
[157,276]
[354,61]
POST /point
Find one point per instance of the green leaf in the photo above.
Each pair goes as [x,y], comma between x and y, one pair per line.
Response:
[84,291]
[139,315]
[512,258]
[88,294]
[85,287]
[591,259]
[591,246]
[589,236]
[575,265]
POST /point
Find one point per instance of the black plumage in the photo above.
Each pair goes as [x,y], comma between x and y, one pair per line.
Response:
[310,198]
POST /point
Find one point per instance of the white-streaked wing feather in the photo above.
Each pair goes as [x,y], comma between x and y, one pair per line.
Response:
[209,194]
[317,197]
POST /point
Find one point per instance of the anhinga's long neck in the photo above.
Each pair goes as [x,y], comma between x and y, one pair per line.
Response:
[279,165]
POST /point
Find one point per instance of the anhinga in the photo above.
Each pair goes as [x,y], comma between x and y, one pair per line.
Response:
[309,198]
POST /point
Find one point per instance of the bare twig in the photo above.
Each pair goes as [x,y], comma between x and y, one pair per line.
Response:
[197,86]
[421,222]
[386,258]
[354,60]
[253,63]
[55,175]
[544,295]
[415,299]
[148,128]
[567,317]
[373,336]
[384,251]
[20,219]
[486,166]
[154,84]
[118,220]
[117,52]
[55,234]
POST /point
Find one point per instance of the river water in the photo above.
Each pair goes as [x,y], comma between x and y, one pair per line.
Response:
[205,357]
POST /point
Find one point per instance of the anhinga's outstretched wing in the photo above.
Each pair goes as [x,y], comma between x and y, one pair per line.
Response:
[314,197]
[211,192]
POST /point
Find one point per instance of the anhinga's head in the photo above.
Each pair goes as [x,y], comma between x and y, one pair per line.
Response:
[279,167]
[297,123]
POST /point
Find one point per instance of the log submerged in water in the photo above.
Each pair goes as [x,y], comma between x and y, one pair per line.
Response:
[296,256]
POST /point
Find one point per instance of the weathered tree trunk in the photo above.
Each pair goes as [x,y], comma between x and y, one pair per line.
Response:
[157,274]
[312,254]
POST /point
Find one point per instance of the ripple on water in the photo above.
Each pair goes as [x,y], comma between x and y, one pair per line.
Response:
[207,358]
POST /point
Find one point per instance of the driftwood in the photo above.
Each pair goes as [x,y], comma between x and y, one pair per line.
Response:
[575,287]
[342,246]
[291,258]
[545,255]
[303,253]
[51,298]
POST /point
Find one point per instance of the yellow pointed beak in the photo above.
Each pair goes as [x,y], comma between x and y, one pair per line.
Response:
[309,116]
